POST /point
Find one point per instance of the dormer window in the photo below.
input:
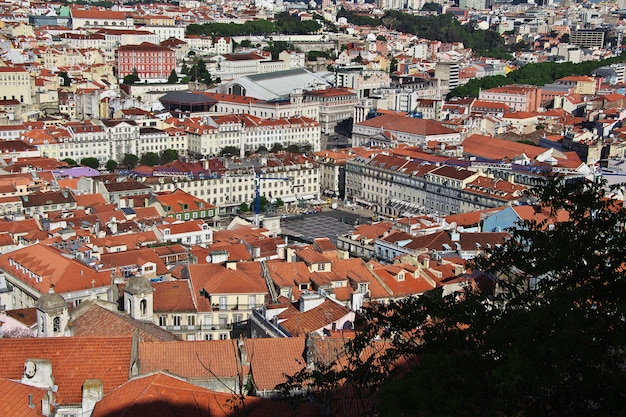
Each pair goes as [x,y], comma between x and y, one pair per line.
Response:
[166,232]
[321,267]
[401,276]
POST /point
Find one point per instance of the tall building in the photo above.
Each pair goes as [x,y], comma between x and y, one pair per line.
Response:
[448,71]
[587,38]
[152,62]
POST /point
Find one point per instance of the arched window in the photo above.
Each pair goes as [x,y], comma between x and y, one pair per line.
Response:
[56,324]
[143,307]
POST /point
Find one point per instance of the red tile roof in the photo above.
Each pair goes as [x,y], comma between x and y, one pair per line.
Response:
[74,359]
[173,296]
[54,269]
[16,397]
[91,319]
[205,359]
[314,319]
[399,123]
[168,396]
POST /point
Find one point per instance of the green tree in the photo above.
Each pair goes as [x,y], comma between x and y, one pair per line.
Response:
[550,340]
[129,161]
[90,162]
[67,81]
[69,161]
[230,151]
[294,148]
[150,159]
[132,78]
[168,155]
[111,165]
[277,147]
[244,208]
[173,78]
[431,7]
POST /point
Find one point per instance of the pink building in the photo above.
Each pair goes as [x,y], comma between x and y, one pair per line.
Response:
[517,97]
[153,62]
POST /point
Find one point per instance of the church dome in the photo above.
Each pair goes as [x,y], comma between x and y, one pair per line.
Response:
[138,285]
[51,301]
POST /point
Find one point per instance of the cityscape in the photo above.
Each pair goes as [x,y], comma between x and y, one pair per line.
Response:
[335,208]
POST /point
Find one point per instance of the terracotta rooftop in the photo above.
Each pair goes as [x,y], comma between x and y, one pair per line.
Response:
[74,359]
[91,319]
[173,296]
[399,123]
[15,398]
[314,319]
[168,396]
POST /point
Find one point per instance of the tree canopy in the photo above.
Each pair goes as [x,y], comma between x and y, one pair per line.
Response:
[533,74]
[549,340]
[283,23]
[90,162]
[129,161]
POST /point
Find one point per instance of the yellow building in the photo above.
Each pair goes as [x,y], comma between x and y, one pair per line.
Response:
[15,84]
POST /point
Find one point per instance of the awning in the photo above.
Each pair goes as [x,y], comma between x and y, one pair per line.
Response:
[308,197]
[289,200]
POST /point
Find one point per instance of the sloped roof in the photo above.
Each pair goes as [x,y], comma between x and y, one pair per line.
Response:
[15,399]
[314,319]
[192,360]
[168,396]
[91,319]
[65,274]
[74,359]
[173,296]
[400,123]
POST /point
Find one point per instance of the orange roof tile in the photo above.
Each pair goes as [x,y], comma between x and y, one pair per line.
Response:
[16,397]
[91,319]
[74,359]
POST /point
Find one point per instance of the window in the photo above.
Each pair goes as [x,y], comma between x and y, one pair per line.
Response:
[223,336]
[162,321]
[177,320]
[56,324]
[320,267]
[143,307]
[191,320]
[251,302]
[208,337]
[222,303]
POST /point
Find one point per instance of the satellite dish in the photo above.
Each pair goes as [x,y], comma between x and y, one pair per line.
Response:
[208,258]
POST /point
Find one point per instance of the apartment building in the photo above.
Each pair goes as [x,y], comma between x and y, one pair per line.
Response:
[393,185]
[152,62]
[269,109]
[517,97]
[389,130]
[15,84]
[336,106]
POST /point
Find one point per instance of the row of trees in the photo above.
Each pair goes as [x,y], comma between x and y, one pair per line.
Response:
[277,147]
[533,74]
[284,23]
[129,161]
[549,341]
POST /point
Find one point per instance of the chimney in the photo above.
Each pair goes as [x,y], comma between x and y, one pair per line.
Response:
[38,373]
[93,392]
[243,354]
[310,300]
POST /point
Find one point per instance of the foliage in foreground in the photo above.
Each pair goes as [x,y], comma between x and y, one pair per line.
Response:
[548,342]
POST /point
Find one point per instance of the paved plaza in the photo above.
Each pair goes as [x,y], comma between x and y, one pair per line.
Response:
[328,223]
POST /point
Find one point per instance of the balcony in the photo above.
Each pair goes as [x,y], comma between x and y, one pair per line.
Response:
[227,326]
[231,307]
[182,328]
